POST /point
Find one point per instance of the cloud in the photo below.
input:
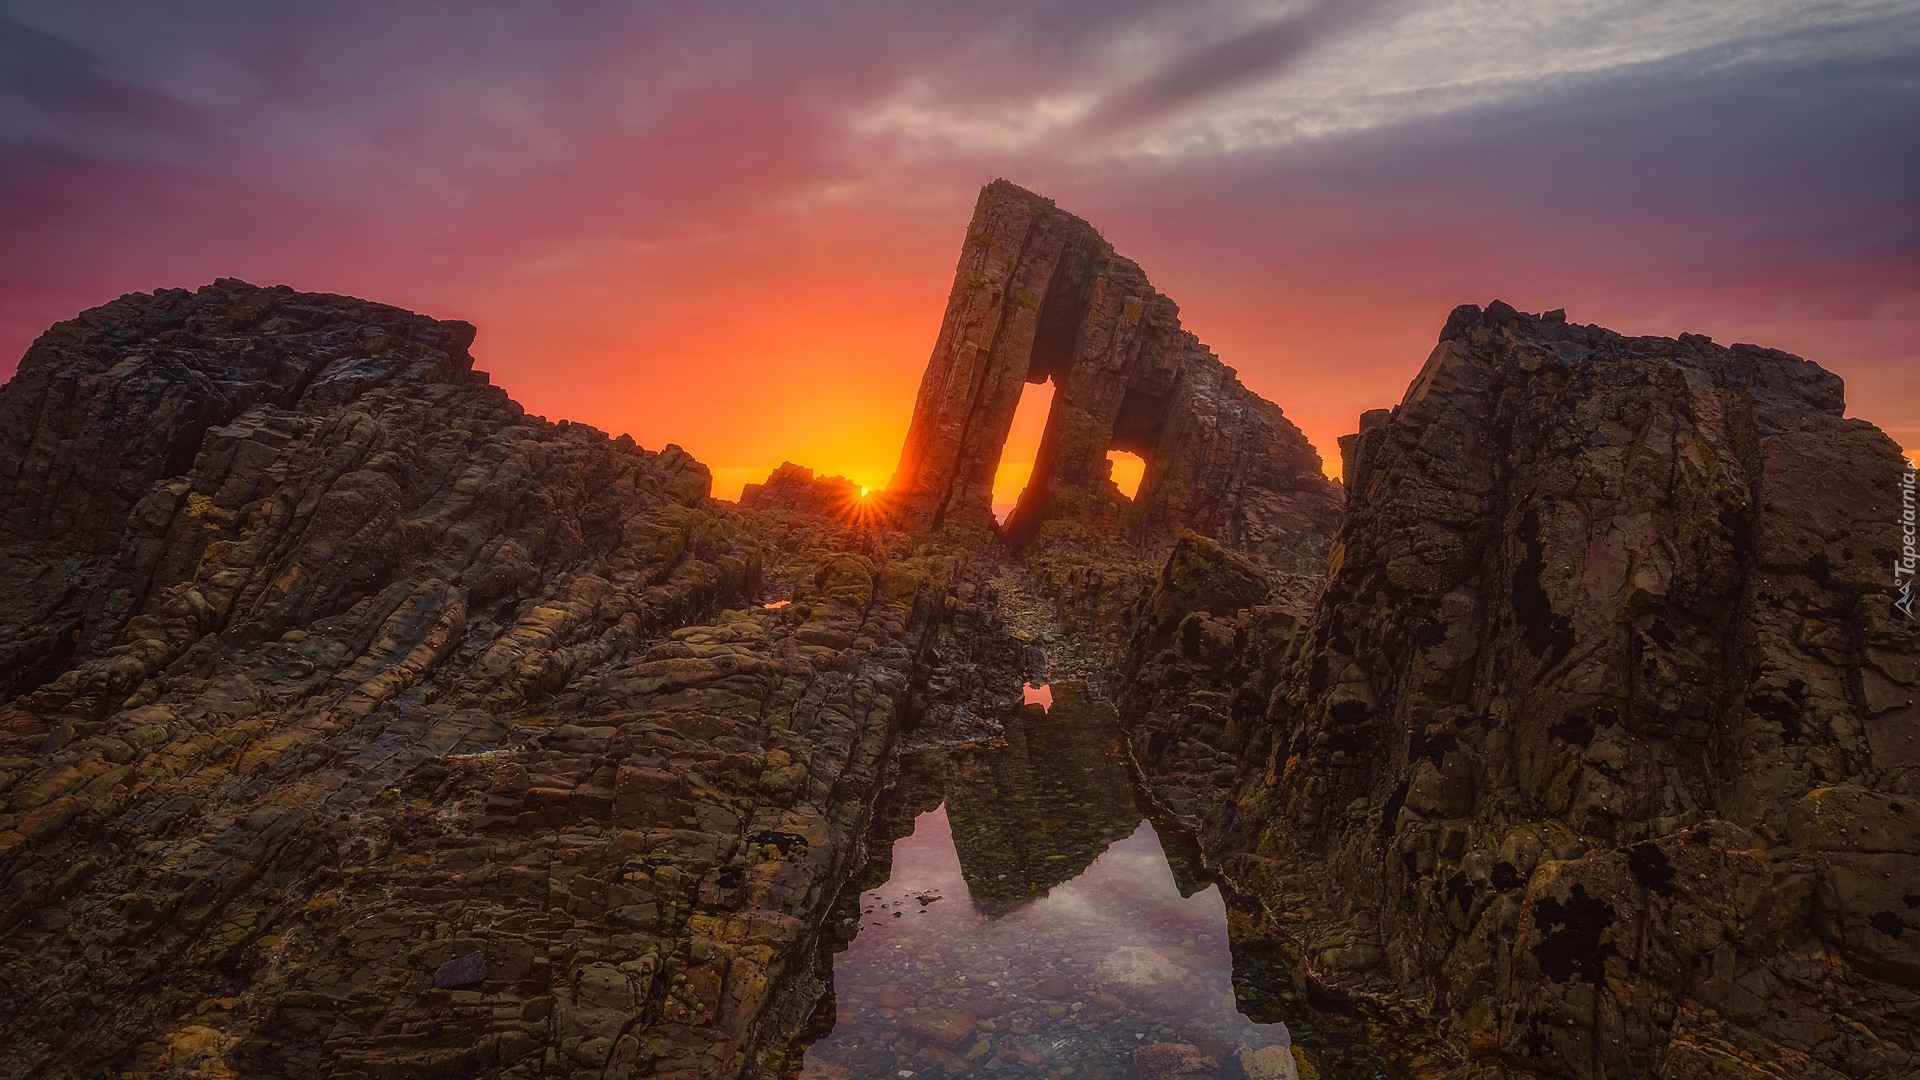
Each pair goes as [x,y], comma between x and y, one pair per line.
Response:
[644,203]
[1254,54]
[55,99]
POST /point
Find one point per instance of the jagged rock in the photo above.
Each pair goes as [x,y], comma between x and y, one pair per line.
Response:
[1040,296]
[1599,746]
[106,405]
[1208,642]
[794,487]
[361,724]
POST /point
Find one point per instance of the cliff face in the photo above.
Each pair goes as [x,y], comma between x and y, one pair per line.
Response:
[1041,297]
[361,724]
[1602,732]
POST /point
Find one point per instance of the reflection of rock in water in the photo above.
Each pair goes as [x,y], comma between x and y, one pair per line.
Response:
[1037,813]
[1265,993]
[1183,858]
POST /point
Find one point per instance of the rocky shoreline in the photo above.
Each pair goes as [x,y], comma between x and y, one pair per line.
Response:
[354,722]
[403,732]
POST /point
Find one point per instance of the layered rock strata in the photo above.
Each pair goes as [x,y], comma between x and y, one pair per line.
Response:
[1040,297]
[362,724]
[1597,756]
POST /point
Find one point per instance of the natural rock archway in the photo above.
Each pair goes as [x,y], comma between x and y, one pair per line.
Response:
[1040,296]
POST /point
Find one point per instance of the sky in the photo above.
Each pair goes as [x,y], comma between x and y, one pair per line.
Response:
[732,224]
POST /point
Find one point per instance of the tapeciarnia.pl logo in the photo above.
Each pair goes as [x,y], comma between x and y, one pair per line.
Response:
[1903,567]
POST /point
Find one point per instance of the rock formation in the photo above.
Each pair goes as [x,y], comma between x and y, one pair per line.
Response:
[1597,756]
[362,724]
[795,488]
[353,722]
[1041,297]
[1206,646]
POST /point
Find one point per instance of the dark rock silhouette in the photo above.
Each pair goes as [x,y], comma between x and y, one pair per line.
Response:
[108,404]
[1041,297]
[794,487]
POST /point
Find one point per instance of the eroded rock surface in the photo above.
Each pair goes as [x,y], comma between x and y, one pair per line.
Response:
[1597,756]
[361,724]
[1040,296]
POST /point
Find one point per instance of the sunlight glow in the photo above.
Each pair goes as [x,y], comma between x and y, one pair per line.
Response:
[1022,446]
[1041,695]
[1128,470]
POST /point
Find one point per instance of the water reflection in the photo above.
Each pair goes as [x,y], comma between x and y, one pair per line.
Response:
[1033,925]
[1069,984]
[1039,811]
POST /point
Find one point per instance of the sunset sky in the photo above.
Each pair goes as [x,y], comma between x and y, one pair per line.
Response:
[732,225]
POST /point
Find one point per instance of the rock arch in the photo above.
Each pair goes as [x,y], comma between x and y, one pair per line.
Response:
[1040,296]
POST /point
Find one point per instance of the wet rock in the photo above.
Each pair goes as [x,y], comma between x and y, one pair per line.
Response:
[820,1070]
[1174,1061]
[1146,977]
[1269,1063]
[941,1026]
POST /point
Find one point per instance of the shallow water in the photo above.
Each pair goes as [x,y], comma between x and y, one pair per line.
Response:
[1033,925]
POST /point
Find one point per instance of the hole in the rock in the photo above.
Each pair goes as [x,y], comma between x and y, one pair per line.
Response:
[1128,469]
[1041,695]
[1017,454]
